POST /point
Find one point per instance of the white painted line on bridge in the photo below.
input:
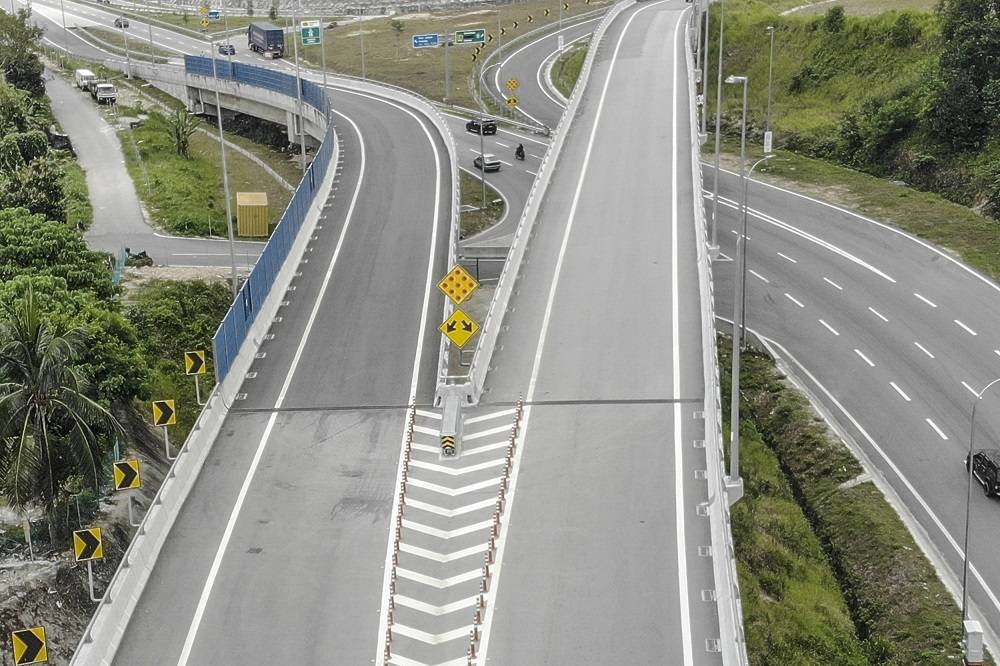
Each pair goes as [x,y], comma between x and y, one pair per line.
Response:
[453,492]
[966,328]
[399,660]
[786,257]
[430,639]
[922,348]
[431,609]
[450,513]
[794,300]
[829,328]
[446,534]
[970,389]
[833,284]
[878,314]
[864,358]
[900,391]
[456,471]
[486,433]
[936,429]
[485,448]
[443,558]
[440,583]
[426,448]
[758,276]
[424,430]
[925,300]
[491,415]
[428,415]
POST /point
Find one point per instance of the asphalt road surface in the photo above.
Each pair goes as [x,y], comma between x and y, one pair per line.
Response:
[600,561]
[277,556]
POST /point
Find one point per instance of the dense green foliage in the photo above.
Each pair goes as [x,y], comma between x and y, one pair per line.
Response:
[901,611]
[905,95]
[18,52]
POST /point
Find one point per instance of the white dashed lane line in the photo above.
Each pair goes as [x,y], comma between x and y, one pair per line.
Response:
[900,391]
[864,358]
[833,284]
[923,349]
[970,389]
[793,300]
[786,257]
[936,429]
[965,328]
[925,300]
[759,276]
[878,314]
[828,327]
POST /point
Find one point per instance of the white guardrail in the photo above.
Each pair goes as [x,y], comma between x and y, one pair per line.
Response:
[103,635]
[732,641]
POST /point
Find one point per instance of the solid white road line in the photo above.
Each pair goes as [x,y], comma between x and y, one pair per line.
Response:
[900,391]
[864,358]
[970,389]
[936,429]
[829,328]
[922,348]
[877,314]
[925,300]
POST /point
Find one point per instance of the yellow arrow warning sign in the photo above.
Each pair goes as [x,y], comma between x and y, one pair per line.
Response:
[459,328]
[88,545]
[164,413]
[194,363]
[458,284]
[127,474]
[29,646]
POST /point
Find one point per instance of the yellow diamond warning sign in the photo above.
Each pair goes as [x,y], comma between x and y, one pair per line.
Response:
[459,328]
[458,284]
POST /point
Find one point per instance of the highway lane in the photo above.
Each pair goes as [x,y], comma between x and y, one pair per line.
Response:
[893,339]
[278,554]
[600,560]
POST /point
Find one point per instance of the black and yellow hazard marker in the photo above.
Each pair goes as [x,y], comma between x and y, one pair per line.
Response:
[29,646]
[448,445]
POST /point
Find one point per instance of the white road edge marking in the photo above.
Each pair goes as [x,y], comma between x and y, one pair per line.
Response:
[833,284]
[936,429]
[864,358]
[925,300]
[227,534]
[900,391]
[922,348]
[829,328]
[687,648]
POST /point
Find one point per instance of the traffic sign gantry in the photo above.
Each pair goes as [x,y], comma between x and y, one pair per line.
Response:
[194,363]
[126,473]
[477,36]
[164,413]
[311,33]
[88,545]
[426,41]
[459,328]
[458,284]
[29,646]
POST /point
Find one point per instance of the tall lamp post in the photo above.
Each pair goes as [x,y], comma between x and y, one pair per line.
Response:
[968,498]
[768,136]
[225,172]
[714,243]
[704,74]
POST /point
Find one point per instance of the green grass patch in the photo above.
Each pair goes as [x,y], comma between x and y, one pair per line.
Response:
[567,68]
[79,212]
[186,196]
[478,219]
[901,612]
[137,47]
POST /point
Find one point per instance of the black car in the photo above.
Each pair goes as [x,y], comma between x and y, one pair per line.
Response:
[486,125]
[227,49]
[986,469]
[121,22]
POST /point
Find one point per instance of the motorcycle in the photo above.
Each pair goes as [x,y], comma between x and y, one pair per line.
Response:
[519,153]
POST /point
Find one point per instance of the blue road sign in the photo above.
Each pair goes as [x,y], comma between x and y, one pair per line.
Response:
[425,41]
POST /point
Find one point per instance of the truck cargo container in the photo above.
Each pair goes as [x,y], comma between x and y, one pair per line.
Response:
[267,39]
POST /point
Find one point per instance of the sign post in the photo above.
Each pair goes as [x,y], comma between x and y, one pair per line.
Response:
[126,475]
[88,545]
[164,414]
[194,364]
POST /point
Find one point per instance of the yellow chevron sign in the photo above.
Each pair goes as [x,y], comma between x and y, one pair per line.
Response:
[88,544]
[29,646]
[164,413]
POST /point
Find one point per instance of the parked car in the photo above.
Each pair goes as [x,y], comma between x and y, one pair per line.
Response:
[491,161]
[121,22]
[488,126]
[83,78]
[104,92]
[986,469]
[227,49]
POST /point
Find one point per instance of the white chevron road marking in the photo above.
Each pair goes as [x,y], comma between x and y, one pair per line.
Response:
[491,415]
[439,583]
[453,492]
[431,609]
[447,534]
[476,450]
[399,660]
[426,448]
[434,432]
[486,433]
[430,639]
[428,415]
[442,557]
[450,513]
[456,471]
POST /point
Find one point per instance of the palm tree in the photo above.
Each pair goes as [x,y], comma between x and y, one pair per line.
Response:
[180,127]
[50,428]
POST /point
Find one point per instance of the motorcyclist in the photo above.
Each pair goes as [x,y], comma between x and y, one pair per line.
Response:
[519,153]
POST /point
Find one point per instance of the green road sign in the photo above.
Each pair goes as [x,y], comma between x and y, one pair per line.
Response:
[477,36]
[311,33]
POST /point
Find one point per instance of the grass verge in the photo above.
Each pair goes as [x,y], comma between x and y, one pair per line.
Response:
[79,212]
[902,613]
[475,218]
[566,69]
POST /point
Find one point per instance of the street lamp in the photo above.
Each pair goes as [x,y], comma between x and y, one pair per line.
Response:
[225,172]
[704,77]
[713,246]
[968,498]
[768,136]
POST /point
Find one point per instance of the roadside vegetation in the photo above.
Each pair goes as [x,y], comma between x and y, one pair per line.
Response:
[566,69]
[475,217]
[808,546]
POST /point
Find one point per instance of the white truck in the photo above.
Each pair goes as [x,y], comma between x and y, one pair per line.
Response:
[83,78]
[104,92]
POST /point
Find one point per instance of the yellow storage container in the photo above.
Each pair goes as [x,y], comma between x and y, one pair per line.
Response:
[252,214]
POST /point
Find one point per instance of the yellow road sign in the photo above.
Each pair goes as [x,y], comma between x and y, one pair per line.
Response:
[29,646]
[513,84]
[448,445]
[203,10]
[88,545]
[547,12]
[164,413]
[126,474]
[204,23]
[459,328]
[458,284]
[512,101]
[194,363]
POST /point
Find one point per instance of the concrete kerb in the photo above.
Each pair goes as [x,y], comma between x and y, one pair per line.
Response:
[103,635]
[512,267]
[732,641]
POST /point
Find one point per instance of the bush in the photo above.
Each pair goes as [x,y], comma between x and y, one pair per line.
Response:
[834,20]
[905,31]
